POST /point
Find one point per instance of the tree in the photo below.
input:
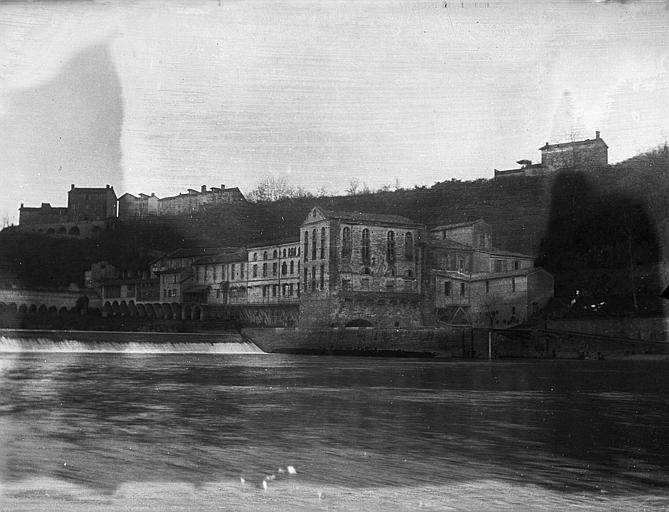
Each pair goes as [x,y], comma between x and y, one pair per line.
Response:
[272,188]
[353,186]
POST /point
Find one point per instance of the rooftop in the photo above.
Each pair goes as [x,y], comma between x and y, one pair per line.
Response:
[367,217]
[458,225]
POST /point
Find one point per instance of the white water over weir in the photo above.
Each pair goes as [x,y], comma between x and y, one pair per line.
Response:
[125,343]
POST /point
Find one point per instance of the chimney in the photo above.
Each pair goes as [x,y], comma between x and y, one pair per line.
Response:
[597,134]
[222,186]
[72,188]
[204,188]
[107,186]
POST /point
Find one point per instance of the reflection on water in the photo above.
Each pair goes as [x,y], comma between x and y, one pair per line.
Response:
[363,430]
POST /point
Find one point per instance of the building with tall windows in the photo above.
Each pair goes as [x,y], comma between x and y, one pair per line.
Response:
[274,272]
[360,269]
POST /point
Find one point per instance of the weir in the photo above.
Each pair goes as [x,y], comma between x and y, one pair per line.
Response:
[124,343]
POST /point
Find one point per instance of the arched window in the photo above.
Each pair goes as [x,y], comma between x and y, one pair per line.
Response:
[408,246]
[346,243]
[292,267]
[284,268]
[74,230]
[390,249]
[306,245]
[255,256]
[322,243]
[313,244]
[274,254]
[264,255]
[364,249]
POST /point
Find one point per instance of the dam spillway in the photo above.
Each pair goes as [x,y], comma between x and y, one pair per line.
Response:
[16,341]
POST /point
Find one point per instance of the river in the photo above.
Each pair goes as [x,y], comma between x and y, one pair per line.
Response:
[131,430]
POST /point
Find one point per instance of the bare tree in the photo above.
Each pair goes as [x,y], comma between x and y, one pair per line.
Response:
[272,188]
[353,186]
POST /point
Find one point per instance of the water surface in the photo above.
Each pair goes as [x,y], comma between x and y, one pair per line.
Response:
[89,431]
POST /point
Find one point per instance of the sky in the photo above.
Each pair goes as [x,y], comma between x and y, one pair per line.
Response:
[164,96]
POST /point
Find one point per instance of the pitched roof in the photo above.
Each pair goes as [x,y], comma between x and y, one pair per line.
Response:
[367,217]
[458,225]
[194,252]
[273,243]
[226,257]
[447,243]
[572,143]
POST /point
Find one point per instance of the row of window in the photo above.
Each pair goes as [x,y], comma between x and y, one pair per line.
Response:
[218,272]
[448,287]
[287,253]
[286,269]
[365,247]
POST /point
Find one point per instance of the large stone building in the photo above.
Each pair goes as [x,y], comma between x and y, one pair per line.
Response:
[360,268]
[88,204]
[468,281]
[582,154]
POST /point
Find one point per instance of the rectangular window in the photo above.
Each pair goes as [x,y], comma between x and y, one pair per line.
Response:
[462,289]
[255,270]
[264,269]
[447,288]
[232,272]
[322,284]
[487,286]
[241,271]
[364,283]
[274,288]
[498,266]
[274,267]
[513,284]
[516,265]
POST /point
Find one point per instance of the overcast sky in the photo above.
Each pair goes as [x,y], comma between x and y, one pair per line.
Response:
[163,96]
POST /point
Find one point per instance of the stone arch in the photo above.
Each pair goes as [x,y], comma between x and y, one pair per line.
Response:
[107,310]
[62,311]
[176,310]
[53,310]
[124,308]
[32,309]
[197,313]
[141,311]
[359,322]
[50,231]
[42,309]
[23,309]
[158,310]
[187,312]
[150,313]
[74,231]
[132,309]
[167,310]
[11,307]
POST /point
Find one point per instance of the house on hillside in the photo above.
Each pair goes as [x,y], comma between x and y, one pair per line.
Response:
[588,153]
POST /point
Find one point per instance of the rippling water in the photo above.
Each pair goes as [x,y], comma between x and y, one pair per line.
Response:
[103,431]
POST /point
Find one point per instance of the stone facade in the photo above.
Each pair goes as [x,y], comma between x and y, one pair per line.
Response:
[348,257]
[45,214]
[468,281]
[87,204]
[193,200]
[584,153]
